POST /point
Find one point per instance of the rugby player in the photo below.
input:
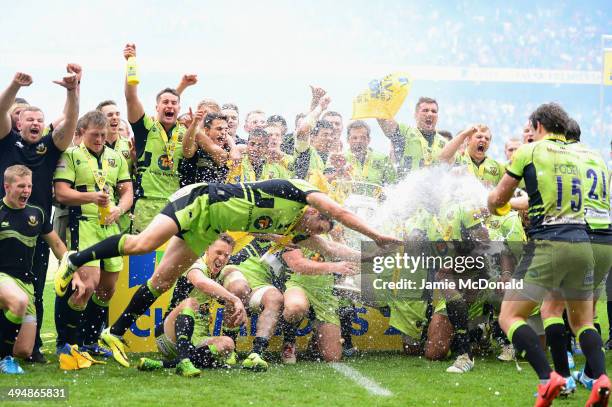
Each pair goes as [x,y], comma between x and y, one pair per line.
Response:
[415,147]
[21,225]
[158,149]
[559,259]
[485,168]
[194,218]
[87,180]
[185,340]
[120,144]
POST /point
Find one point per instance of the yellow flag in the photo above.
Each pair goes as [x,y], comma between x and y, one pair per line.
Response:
[383,98]
[607,67]
[241,238]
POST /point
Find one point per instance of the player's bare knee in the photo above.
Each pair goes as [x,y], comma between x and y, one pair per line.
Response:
[240,289]
[294,311]
[272,300]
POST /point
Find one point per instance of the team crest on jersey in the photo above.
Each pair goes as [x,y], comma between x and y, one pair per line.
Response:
[126,154]
[41,149]
[32,221]
[112,163]
[493,171]
[164,163]
[263,222]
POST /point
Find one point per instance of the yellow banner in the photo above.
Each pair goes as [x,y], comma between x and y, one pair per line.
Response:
[371,330]
[383,98]
[607,67]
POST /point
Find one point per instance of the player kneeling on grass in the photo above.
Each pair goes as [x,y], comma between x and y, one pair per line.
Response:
[311,287]
[185,342]
[20,227]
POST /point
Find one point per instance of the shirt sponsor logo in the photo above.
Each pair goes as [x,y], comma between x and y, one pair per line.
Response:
[164,163]
[263,222]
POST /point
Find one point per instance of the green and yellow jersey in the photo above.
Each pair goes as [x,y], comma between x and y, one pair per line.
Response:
[86,172]
[489,171]
[202,211]
[123,147]
[413,151]
[159,154]
[376,168]
[595,190]
[551,169]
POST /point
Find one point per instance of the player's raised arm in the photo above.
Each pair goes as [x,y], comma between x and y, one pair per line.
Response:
[62,137]
[450,149]
[189,140]
[186,81]
[7,98]
[134,105]
[327,206]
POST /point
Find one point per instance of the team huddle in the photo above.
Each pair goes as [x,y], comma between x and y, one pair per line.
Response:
[259,225]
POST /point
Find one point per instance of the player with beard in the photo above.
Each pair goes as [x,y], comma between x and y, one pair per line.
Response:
[29,146]
[415,147]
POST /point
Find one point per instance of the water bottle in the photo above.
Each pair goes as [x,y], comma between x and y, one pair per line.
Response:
[132,71]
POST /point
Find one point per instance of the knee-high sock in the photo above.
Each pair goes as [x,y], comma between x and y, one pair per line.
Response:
[10,325]
[526,341]
[95,318]
[457,310]
[592,348]
[557,341]
[144,297]
[260,344]
[347,314]
[67,319]
[289,331]
[183,326]
[106,249]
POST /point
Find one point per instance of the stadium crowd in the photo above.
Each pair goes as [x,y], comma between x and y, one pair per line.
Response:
[253,216]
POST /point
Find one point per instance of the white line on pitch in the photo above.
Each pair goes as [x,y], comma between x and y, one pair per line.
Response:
[370,385]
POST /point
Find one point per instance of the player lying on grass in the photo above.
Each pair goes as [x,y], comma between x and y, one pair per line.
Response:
[20,227]
[193,220]
[185,340]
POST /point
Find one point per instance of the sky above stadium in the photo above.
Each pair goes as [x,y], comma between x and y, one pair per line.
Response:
[257,54]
